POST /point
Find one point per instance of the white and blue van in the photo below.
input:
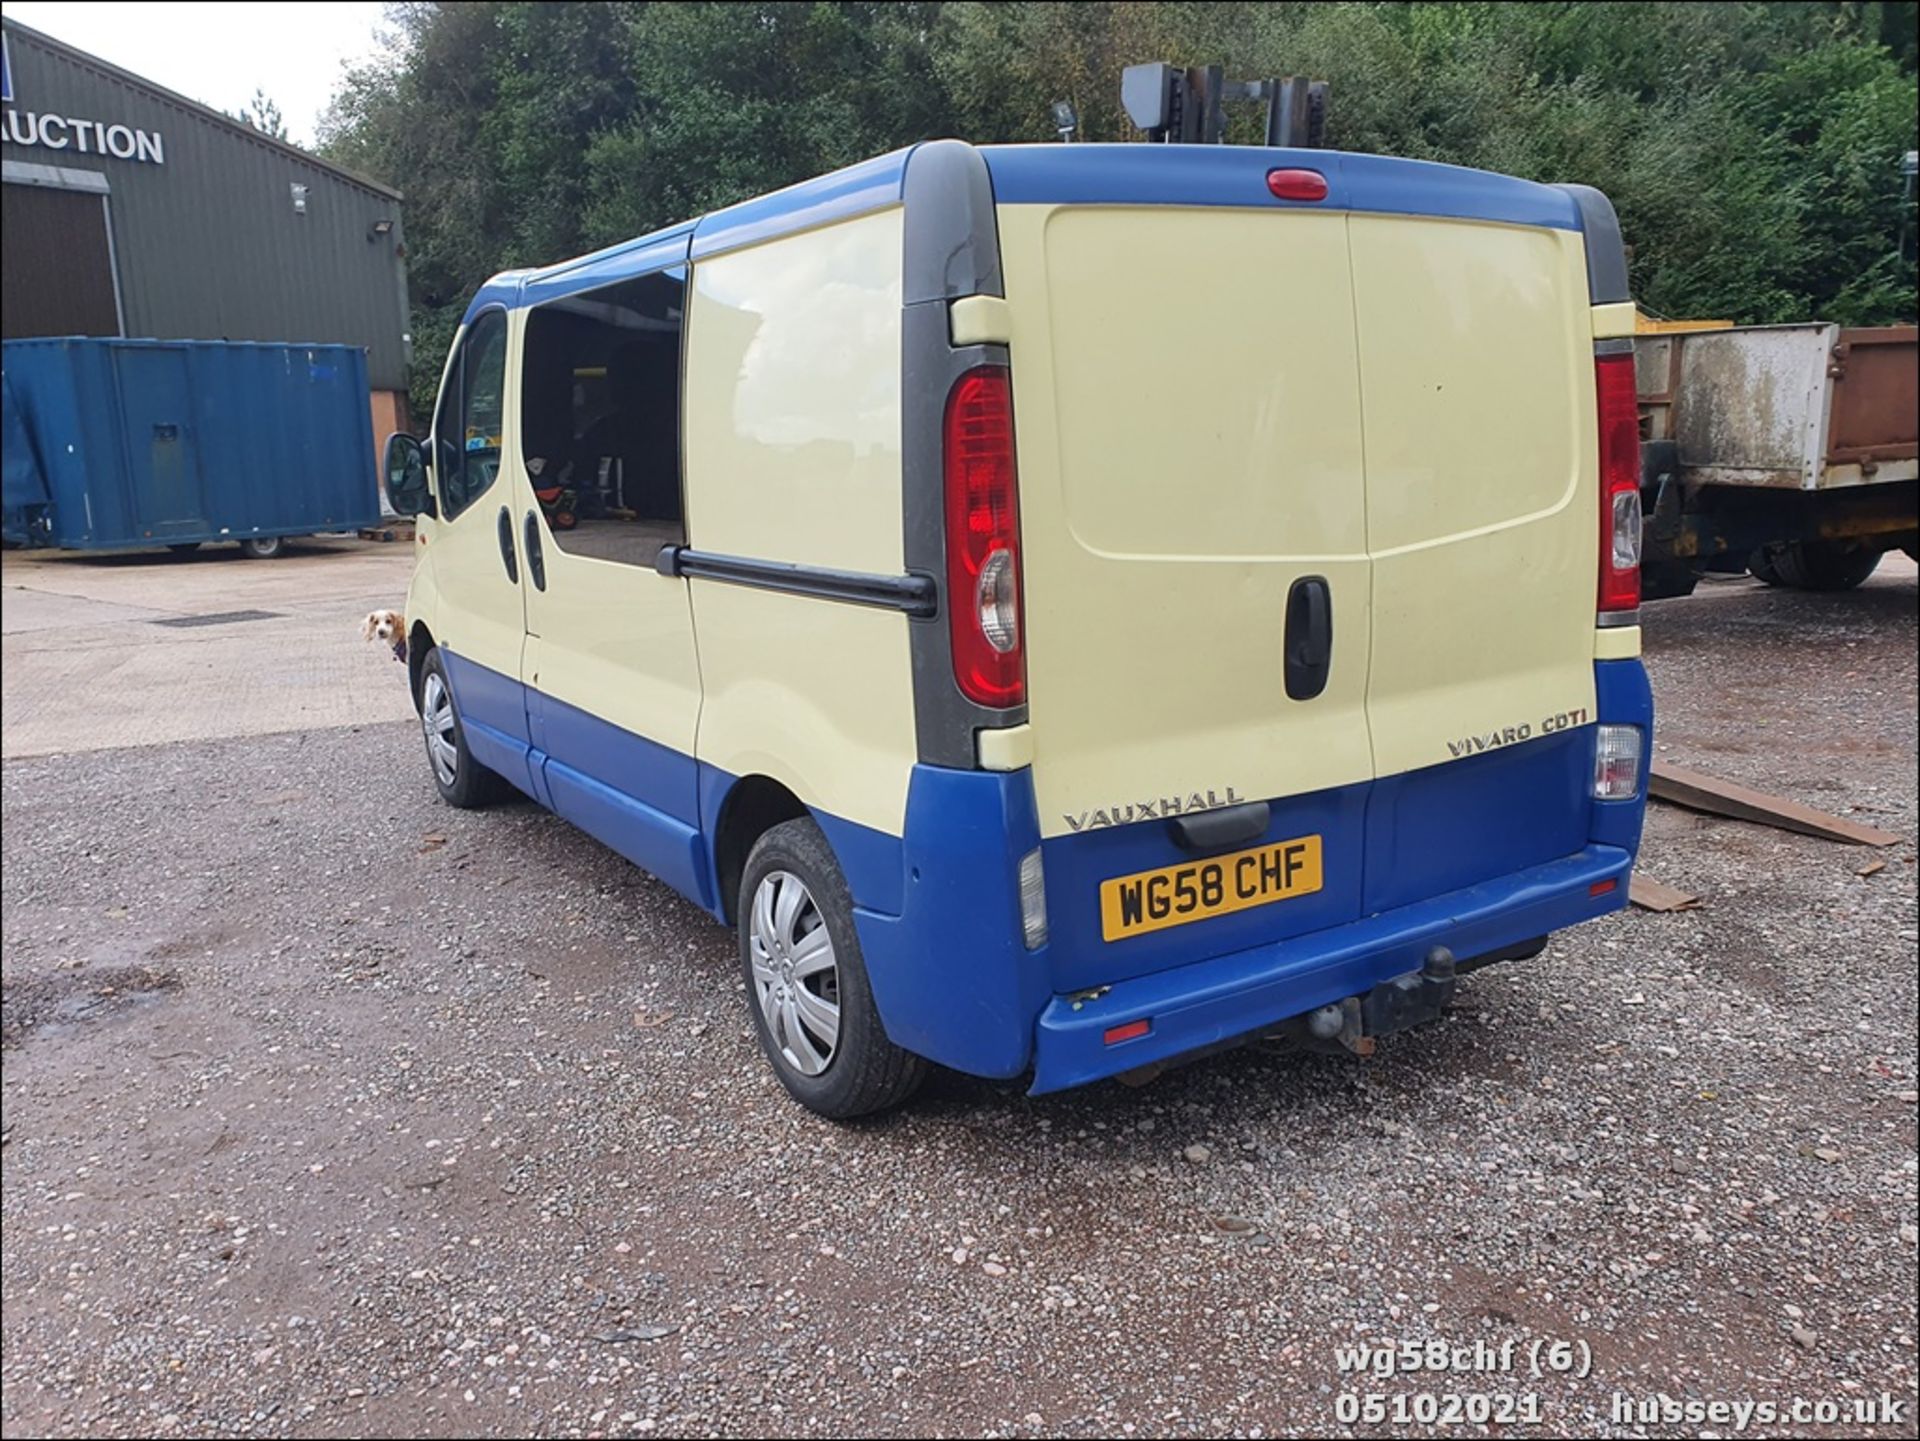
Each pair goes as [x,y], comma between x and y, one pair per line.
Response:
[1067,606]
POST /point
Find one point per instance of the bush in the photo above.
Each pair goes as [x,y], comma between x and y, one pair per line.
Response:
[1751,149]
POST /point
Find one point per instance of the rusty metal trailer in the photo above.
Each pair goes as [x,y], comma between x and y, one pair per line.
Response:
[1791,451]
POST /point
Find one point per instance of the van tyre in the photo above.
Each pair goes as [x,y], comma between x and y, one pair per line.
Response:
[1815,564]
[461,780]
[807,981]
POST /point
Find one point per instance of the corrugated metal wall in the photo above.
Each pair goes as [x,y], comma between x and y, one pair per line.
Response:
[209,243]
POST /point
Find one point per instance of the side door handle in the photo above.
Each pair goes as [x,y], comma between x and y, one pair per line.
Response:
[536,558]
[1309,641]
[504,527]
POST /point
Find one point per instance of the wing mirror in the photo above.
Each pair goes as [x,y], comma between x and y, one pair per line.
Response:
[405,469]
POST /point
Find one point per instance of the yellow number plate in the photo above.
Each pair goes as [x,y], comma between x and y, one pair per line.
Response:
[1198,890]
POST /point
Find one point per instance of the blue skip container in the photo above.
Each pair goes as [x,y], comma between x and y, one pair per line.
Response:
[117,444]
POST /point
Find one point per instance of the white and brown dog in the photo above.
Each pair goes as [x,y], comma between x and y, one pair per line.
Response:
[388,626]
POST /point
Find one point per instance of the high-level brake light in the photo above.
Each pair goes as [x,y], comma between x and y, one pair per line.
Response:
[1291,184]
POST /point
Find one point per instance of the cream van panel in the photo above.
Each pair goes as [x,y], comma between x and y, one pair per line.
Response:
[1617,642]
[1187,417]
[792,443]
[793,399]
[1204,376]
[815,693]
[613,639]
[461,593]
[1476,361]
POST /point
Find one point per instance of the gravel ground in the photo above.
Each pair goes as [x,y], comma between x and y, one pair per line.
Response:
[331,1111]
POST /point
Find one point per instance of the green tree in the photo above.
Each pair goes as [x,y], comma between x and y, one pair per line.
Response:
[736,99]
[1752,149]
[264,115]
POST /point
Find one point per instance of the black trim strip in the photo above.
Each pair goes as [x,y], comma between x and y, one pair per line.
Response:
[915,595]
[1606,253]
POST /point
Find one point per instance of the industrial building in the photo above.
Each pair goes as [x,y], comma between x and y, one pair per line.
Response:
[130,210]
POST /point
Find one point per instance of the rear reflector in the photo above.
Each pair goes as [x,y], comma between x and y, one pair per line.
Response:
[1297,184]
[1127,1032]
[1600,888]
[1619,416]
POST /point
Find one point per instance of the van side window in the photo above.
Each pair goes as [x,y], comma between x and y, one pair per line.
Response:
[600,417]
[466,428]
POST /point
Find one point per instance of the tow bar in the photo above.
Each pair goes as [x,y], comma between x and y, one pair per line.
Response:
[1398,1004]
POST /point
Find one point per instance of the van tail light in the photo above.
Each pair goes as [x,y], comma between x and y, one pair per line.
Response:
[983,540]
[1617,751]
[1619,410]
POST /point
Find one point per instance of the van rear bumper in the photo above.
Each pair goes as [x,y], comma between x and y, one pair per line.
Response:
[1192,1007]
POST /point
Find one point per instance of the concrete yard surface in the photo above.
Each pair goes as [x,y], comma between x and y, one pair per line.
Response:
[330,1111]
[89,666]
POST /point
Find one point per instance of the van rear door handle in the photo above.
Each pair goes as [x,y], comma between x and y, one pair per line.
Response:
[504,527]
[536,557]
[1309,641]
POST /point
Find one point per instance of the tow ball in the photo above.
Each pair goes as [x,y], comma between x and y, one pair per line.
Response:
[1398,1004]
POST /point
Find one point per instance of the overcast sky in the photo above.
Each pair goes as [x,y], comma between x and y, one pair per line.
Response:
[217,53]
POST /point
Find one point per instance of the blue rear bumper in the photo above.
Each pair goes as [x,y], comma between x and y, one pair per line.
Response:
[1478,856]
[1192,1007]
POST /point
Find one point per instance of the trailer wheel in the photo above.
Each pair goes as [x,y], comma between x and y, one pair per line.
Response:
[1815,564]
[1665,582]
[1760,566]
[263,547]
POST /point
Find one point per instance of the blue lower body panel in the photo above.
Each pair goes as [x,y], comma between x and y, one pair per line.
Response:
[493,716]
[1476,855]
[1625,697]
[1195,1006]
[635,795]
[1077,863]
[1443,828]
[1440,857]
[951,972]
[656,842]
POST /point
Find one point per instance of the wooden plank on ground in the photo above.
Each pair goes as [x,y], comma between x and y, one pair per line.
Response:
[1651,895]
[1726,798]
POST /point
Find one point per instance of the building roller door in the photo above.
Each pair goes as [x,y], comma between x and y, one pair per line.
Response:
[56,264]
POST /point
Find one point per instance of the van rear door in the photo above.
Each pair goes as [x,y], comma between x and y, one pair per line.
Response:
[1482,503]
[1217,401]
[1187,409]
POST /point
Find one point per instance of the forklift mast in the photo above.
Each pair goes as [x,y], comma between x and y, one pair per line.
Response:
[1188,106]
